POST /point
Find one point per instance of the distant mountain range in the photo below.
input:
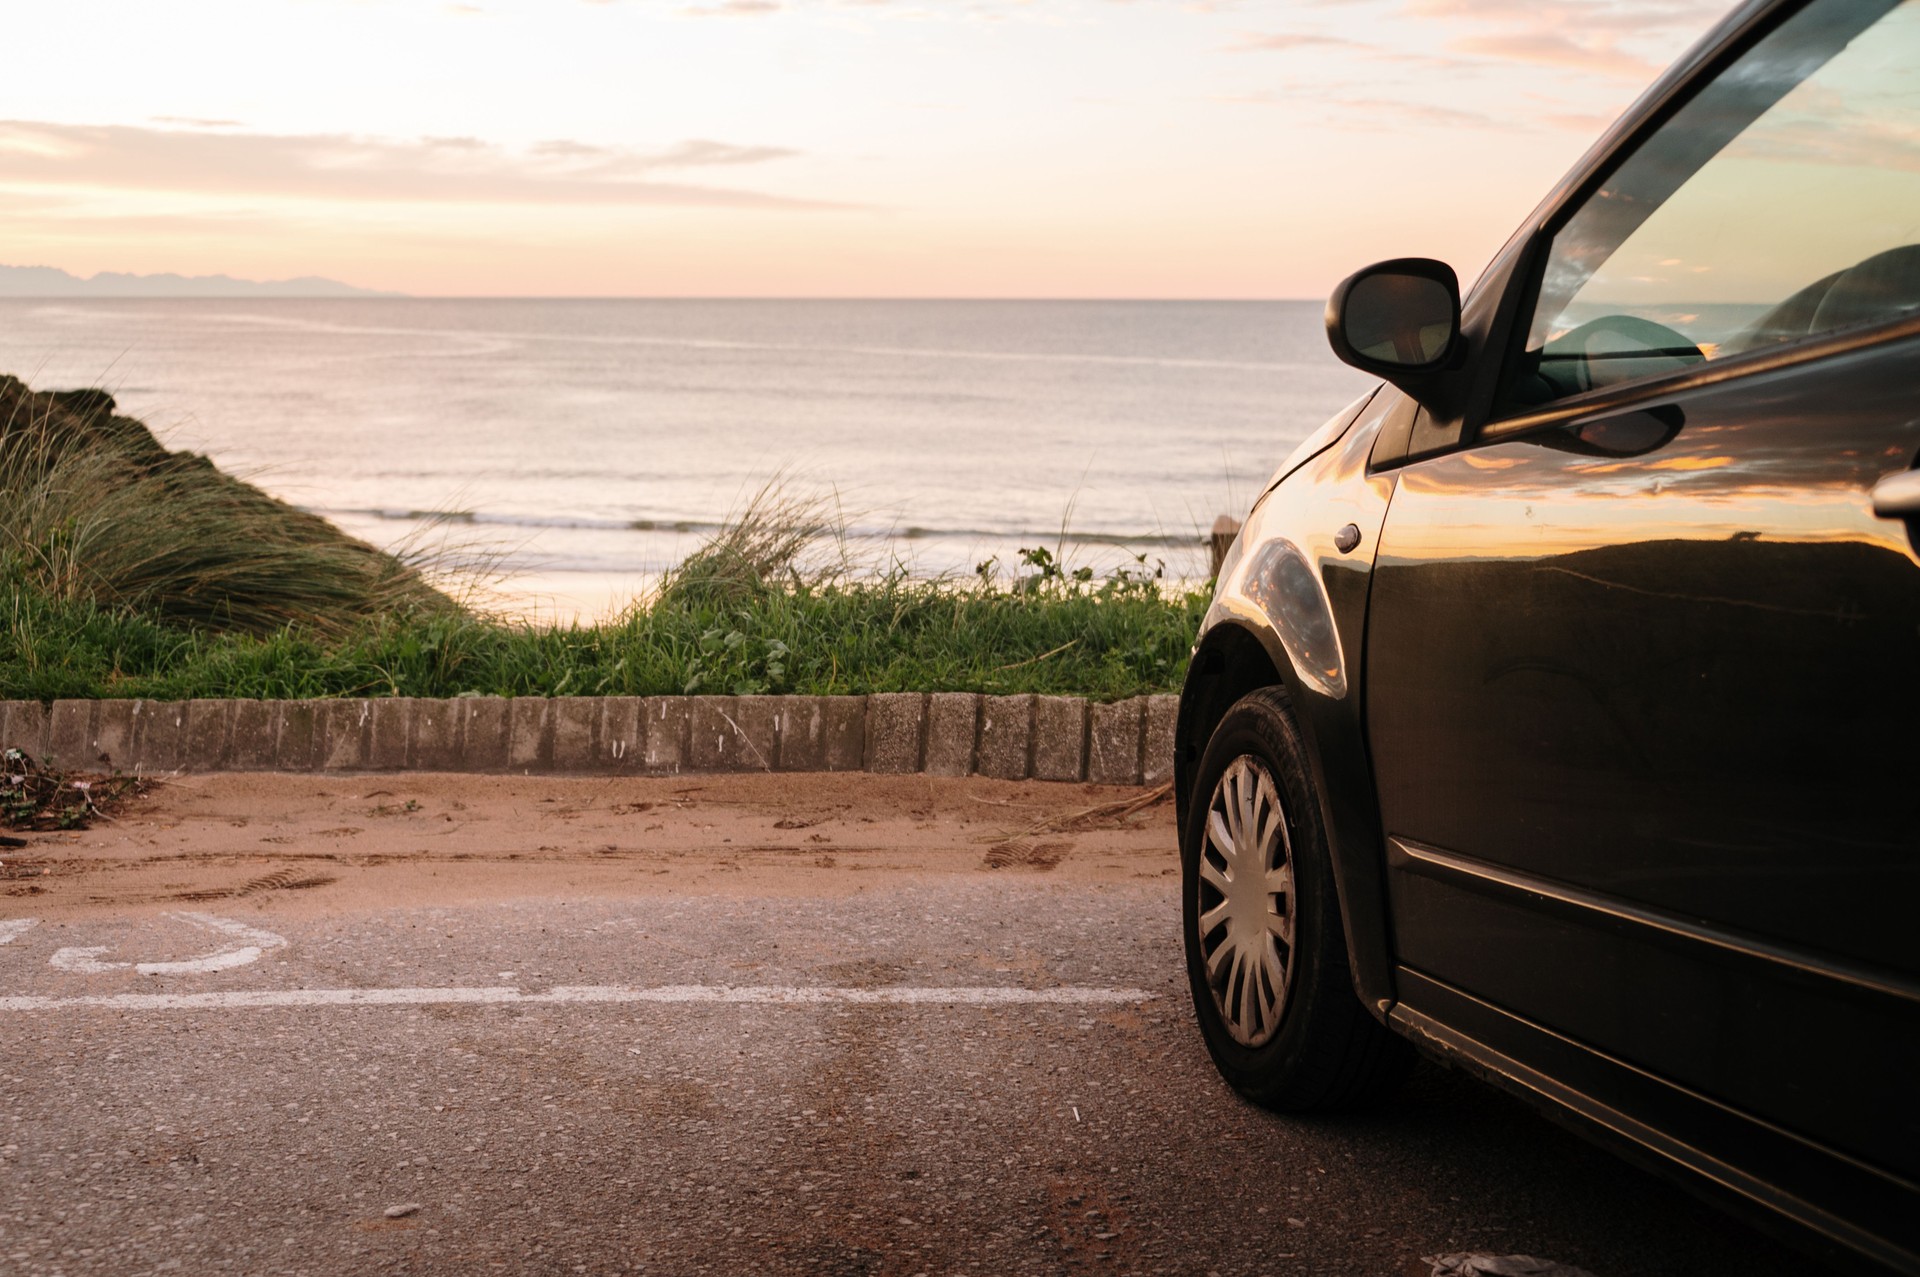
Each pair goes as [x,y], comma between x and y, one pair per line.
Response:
[48,281]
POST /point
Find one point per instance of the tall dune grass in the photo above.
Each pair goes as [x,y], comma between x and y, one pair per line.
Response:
[129,571]
[93,510]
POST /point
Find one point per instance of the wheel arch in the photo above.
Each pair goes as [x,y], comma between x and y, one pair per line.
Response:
[1233,659]
[1229,662]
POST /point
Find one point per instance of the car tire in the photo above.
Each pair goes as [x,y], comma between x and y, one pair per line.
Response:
[1266,954]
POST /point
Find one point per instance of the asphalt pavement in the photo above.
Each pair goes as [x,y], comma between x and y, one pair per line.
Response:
[985,1075]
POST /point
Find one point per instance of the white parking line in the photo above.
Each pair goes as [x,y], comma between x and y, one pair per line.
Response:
[13,928]
[779,995]
[85,959]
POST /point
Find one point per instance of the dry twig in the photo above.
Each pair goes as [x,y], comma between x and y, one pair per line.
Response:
[1099,816]
[36,797]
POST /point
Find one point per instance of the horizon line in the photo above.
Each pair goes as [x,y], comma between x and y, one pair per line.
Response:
[620,297]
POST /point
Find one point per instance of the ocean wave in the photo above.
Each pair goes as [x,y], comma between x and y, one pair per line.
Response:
[481,517]
[873,532]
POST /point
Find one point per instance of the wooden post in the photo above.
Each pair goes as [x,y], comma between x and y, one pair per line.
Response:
[1225,529]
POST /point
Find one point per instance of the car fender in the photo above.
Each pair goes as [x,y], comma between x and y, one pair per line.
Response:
[1290,607]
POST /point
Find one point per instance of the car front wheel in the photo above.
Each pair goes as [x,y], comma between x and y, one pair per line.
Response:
[1266,954]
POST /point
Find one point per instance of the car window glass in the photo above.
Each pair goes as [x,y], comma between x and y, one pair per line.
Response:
[1782,201]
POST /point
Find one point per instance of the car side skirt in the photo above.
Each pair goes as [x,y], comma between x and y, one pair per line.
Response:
[1775,1179]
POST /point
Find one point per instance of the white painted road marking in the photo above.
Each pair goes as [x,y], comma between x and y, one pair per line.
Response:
[779,995]
[254,942]
[13,928]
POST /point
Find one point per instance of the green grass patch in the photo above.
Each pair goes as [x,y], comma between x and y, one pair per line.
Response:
[130,571]
[1103,640]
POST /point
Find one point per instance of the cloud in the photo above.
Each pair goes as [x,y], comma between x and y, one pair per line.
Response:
[1280,42]
[1582,122]
[458,170]
[1570,34]
[1692,16]
[194,122]
[1044,11]
[1844,138]
[1625,40]
[749,8]
[1390,115]
[700,151]
[733,9]
[1550,49]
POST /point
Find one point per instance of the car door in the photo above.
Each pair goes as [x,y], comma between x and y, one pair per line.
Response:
[1643,663]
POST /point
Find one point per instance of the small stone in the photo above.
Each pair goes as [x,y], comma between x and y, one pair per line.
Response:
[401,1212]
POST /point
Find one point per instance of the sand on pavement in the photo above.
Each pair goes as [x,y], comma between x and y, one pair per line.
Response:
[300,844]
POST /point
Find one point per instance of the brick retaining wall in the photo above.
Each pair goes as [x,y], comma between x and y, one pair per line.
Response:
[941,734]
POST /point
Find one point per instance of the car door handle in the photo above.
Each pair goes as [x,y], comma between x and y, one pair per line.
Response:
[1898,496]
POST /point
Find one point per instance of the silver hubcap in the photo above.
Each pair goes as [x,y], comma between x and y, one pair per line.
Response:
[1246,901]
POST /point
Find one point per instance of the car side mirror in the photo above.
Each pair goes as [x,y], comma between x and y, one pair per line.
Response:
[1399,320]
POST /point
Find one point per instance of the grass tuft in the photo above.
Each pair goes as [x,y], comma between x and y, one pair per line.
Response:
[770,545]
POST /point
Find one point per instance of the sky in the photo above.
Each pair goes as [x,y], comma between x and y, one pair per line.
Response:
[805,148]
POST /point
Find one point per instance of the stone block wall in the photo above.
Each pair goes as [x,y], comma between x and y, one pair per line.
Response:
[1061,738]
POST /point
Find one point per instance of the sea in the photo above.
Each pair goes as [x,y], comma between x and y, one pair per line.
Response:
[566,453]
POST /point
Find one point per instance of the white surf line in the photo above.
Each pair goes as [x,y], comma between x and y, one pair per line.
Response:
[13,928]
[86,960]
[602,994]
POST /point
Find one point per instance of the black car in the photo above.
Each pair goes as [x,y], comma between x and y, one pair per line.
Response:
[1558,710]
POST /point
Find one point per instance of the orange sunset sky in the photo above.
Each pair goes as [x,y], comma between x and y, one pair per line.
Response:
[872,148]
